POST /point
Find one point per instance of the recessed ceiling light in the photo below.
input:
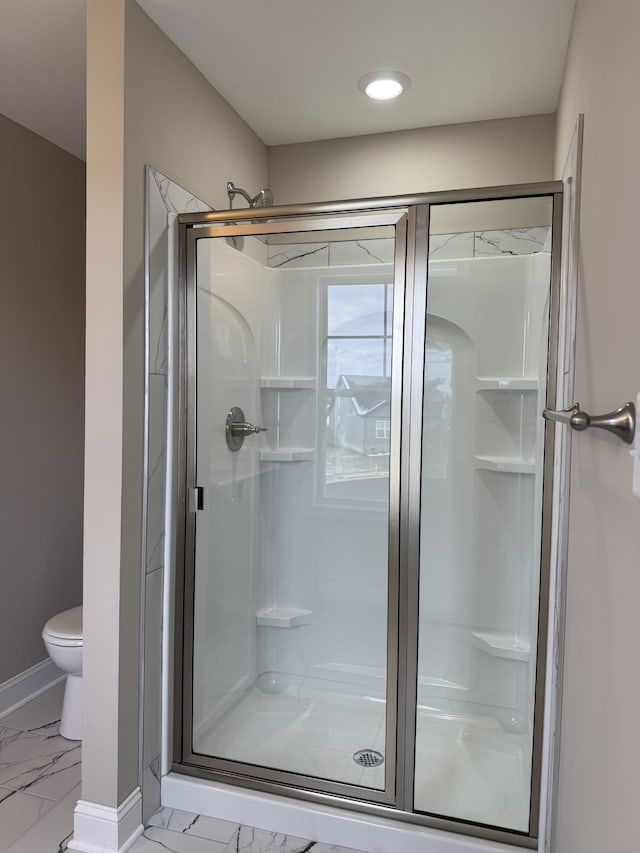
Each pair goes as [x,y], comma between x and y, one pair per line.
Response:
[383,85]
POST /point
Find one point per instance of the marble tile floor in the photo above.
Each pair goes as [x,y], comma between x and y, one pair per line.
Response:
[185,832]
[40,786]
[39,778]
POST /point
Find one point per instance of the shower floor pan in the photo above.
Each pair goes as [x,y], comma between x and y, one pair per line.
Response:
[467,767]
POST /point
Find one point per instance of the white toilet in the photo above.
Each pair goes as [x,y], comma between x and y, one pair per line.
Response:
[62,637]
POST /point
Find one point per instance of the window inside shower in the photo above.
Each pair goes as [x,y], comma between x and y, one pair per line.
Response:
[355,347]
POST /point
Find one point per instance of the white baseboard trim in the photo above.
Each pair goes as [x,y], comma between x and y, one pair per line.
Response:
[25,686]
[105,829]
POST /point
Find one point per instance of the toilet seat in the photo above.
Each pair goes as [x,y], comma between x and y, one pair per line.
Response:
[63,641]
[65,629]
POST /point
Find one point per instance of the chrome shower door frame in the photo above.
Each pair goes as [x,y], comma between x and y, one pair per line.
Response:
[409,335]
[224,769]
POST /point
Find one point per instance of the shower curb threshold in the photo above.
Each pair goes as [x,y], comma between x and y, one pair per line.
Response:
[324,824]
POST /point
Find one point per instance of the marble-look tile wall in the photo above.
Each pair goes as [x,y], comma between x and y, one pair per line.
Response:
[467,244]
[165,199]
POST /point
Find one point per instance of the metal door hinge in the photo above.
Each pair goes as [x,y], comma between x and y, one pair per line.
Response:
[195,498]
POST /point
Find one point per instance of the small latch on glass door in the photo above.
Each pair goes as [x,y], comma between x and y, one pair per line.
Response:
[196,499]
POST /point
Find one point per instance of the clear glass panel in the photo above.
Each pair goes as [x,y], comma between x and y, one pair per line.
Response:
[484,389]
[291,576]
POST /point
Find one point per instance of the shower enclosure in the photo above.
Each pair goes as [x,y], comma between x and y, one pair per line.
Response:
[362,583]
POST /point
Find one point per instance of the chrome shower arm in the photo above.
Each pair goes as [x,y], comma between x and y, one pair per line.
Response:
[233,190]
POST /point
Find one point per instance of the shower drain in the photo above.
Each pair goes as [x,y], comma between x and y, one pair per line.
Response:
[368,757]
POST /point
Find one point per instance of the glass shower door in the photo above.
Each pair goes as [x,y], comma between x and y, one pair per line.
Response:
[293,598]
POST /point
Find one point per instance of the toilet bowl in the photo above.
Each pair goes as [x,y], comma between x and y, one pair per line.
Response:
[62,637]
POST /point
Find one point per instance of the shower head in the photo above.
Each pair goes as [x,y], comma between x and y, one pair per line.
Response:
[263,199]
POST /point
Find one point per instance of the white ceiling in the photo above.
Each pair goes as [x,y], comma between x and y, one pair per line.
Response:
[291,67]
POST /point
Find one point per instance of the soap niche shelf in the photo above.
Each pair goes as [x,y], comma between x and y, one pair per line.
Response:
[501,644]
[507,383]
[288,383]
[287,454]
[282,617]
[505,424]
[504,464]
[288,405]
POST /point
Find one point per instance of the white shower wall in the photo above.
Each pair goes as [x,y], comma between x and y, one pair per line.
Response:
[284,550]
[233,300]
[480,519]
[263,543]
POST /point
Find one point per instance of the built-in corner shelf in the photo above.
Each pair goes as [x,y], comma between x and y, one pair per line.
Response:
[294,412]
[505,464]
[282,617]
[288,383]
[286,454]
[501,644]
[506,383]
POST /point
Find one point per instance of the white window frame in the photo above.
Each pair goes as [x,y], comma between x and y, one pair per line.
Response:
[335,277]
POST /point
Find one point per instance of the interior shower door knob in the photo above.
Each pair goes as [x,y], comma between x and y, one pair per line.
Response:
[237,429]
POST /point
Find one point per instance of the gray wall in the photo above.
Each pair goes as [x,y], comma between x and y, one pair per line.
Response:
[146,104]
[41,376]
[481,153]
[600,748]
[164,96]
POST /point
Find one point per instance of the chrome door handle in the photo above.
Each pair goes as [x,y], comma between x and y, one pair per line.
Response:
[621,422]
[245,429]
